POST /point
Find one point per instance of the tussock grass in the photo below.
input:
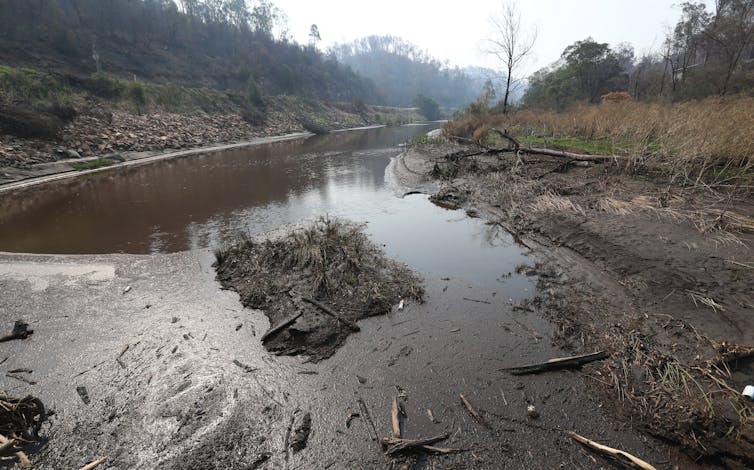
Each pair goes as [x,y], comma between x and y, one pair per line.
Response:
[551,202]
[328,259]
[698,142]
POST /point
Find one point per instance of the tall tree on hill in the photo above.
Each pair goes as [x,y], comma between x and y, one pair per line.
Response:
[597,67]
[510,44]
[314,36]
[731,34]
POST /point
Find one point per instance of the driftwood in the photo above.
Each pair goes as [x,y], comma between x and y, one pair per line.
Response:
[558,363]
[398,445]
[394,419]
[94,464]
[20,331]
[284,324]
[353,326]
[623,457]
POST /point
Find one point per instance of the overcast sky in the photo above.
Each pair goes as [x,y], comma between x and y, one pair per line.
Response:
[455,31]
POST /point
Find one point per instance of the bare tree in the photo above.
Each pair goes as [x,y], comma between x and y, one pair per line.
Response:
[510,43]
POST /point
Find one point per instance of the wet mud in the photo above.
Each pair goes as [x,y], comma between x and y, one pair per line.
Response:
[655,273]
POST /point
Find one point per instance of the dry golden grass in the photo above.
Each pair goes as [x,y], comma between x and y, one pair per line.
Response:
[698,142]
[553,203]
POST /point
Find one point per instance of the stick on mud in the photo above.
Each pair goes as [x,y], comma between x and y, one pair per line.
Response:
[94,464]
[623,457]
[277,329]
[394,418]
[353,326]
[558,363]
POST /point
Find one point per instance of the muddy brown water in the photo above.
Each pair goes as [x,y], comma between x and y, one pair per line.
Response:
[427,354]
[203,201]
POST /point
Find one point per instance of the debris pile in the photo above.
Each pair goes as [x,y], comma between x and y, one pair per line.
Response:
[314,284]
[20,421]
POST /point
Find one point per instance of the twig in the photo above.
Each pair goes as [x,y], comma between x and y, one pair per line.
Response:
[89,369]
[94,464]
[402,445]
[122,352]
[394,418]
[246,368]
[443,450]
[23,460]
[368,418]
[743,265]
[22,379]
[353,326]
[7,445]
[277,329]
[558,363]
[473,412]
[477,301]
[623,457]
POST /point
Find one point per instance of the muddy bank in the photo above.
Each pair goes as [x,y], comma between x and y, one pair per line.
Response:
[197,389]
[660,276]
[103,135]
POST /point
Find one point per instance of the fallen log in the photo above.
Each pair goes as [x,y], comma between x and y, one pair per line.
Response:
[517,147]
[277,329]
[579,157]
[623,457]
[558,363]
[353,326]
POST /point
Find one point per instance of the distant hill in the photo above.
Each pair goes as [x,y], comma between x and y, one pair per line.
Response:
[479,76]
[222,44]
[400,72]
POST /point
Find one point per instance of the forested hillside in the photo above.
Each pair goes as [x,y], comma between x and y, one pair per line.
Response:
[401,71]
[706,53]
[224,44]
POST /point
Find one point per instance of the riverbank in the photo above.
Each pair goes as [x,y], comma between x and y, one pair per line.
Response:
[104,134]
[659,276]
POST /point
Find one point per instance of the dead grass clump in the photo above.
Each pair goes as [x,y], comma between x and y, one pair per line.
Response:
[553,203]
[686,402]
[331,261]
[724,223]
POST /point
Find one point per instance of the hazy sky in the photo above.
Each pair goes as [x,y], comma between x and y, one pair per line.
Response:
[455,31]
